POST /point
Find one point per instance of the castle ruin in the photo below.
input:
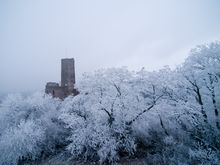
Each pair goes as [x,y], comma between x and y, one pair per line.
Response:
[67,81]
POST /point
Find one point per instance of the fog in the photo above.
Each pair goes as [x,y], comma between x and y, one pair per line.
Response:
[35,35]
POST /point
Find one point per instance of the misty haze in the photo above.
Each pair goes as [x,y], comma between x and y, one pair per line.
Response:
[109,82]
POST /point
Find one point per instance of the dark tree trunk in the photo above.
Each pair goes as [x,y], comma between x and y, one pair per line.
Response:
[211,88]
[199,100]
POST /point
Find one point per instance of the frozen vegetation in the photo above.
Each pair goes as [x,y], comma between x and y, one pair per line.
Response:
[162,117]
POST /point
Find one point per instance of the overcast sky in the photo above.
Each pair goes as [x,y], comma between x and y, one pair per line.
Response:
[36,34]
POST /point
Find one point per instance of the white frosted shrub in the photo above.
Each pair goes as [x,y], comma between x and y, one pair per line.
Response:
[22,141]
[29,126]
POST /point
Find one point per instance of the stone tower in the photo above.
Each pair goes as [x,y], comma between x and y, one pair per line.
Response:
[67,81]
[67,72]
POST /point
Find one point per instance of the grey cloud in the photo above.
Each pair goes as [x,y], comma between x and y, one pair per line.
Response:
[35,35]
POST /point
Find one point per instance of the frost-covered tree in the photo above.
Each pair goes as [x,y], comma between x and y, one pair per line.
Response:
[97,116]
[201,70]
[109,104]
[29,127]
[23,141]
[200,73]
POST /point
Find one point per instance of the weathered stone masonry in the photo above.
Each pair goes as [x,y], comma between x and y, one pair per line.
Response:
[67,81]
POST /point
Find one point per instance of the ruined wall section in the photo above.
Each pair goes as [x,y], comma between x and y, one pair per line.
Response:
[55,90]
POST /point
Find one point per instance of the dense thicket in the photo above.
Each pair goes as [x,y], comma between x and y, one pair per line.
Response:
[167,116]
